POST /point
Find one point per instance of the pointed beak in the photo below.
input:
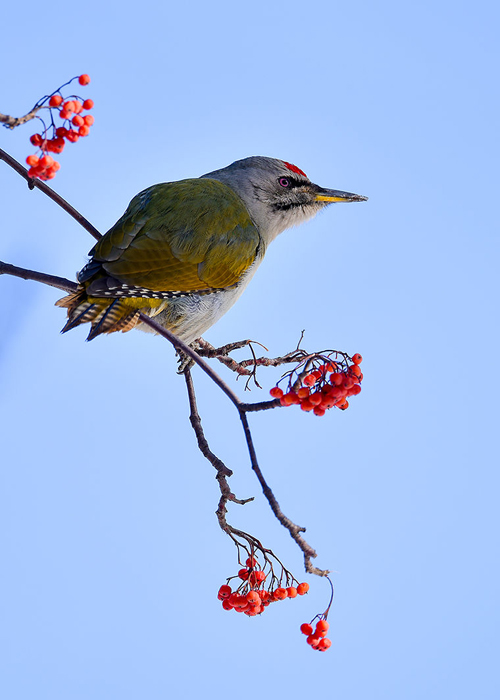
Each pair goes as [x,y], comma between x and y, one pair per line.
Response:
[323,195]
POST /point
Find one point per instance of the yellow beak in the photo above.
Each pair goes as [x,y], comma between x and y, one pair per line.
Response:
[337,196]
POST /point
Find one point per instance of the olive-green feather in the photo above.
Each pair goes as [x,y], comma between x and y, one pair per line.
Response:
[153,246]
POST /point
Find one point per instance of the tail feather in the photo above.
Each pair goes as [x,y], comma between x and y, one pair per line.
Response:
[105,315]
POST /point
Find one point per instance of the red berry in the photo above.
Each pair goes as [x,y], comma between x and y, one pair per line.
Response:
[84,79]
[65,114]
[322,628]
[72,136]
[303,392]
[355,390]
[55,101]
[33,160]
[275,392]
[313,640]
[306,629]
[88,119]
[88,104]
[343,405]
[324,644]
[243,574]
[69,106]
[61,131]
[302,588]
[357,359]
[309,380]
[36,140]
[46,161]
[253,598]
[226,604]
[292,592]
[224,591]
[280,593]
[78,107]
[77,120]
[306,405]
[84,130]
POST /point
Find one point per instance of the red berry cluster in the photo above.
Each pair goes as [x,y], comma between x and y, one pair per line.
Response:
[75,124]
[328,384]
[317,639]
[251,596]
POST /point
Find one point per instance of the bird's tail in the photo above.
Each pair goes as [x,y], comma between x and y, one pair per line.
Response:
[104,315]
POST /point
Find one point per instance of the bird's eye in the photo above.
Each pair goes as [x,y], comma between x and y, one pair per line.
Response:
[284,182]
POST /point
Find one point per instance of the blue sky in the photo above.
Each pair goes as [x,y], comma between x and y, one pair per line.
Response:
[112,555]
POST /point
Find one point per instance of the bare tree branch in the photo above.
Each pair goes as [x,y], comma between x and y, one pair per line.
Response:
[12,122]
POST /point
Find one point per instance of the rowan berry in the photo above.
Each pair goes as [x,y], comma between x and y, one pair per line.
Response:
[88,119]
[275,392]
[233,599]
[36,140]
[309,380]
[61,131]
[226,604]
[84,79]
[303,392]
[257,577]
[306,629]
[65,114]
[313,640]
[319,411]
[243,574]
[72,136]
[356,389]
[46,161]
[343,405]
[322,627]
[78,107]
[292,592]
[253,598]
[336,378]
[55,101]
[224,591]
[324,644]
[302,588]
[32,160]
[83,130]
[306,405]
[88,104]
[357,359]
[316,398]
[77,120]
[280,593]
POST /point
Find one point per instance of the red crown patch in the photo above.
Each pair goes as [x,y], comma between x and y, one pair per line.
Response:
[294,169]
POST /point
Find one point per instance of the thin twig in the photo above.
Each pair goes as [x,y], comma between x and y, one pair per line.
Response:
[292,528]
[51,280]
[12,122]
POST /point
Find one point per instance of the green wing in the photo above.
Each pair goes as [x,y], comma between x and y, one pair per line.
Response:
[188,235]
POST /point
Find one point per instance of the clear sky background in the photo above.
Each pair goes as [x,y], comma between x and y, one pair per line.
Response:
[111,552]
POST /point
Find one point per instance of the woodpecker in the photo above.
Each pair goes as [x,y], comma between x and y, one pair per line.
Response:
[183,252]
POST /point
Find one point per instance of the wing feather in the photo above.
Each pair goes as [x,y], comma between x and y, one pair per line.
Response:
[190,235]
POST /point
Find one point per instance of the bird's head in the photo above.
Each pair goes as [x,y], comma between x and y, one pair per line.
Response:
[277,194]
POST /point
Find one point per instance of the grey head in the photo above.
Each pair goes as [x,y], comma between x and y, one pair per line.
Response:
[276,193]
